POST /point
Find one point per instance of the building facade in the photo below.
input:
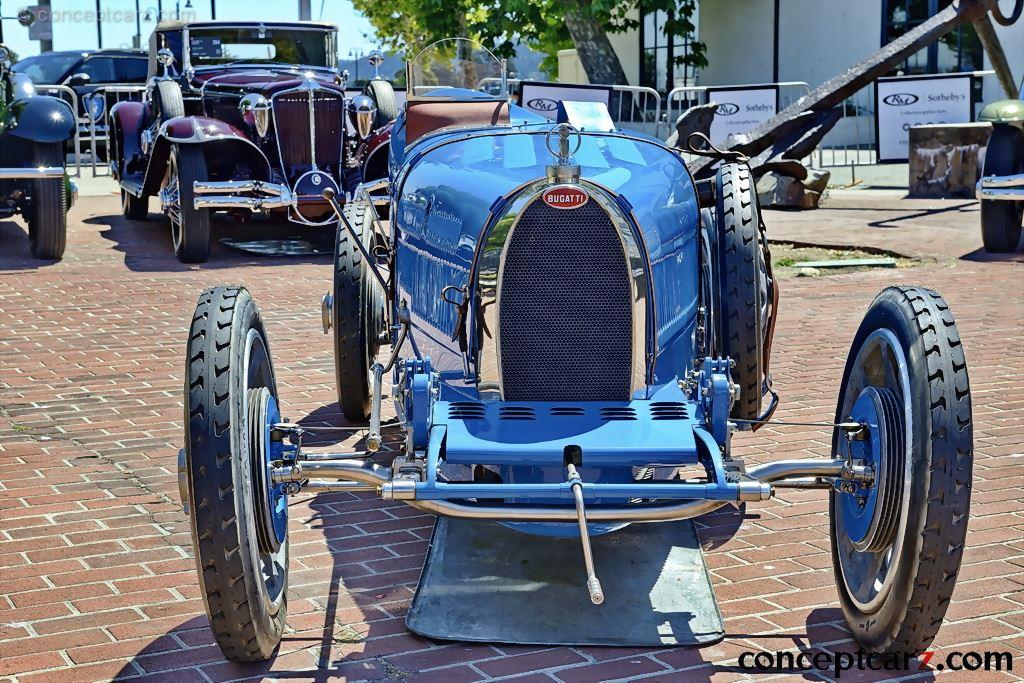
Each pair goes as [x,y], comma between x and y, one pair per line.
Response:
[769,41]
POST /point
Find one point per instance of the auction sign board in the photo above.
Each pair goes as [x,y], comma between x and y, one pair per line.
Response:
[741,109]
[542,97]
[904,102]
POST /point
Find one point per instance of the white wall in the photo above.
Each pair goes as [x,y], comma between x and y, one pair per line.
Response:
[570,68]
[1012,39]
[738,36]
[626,46]
[818,39]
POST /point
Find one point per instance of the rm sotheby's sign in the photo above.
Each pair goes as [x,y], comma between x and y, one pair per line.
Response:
[901,103]
[542,97]
[741,109]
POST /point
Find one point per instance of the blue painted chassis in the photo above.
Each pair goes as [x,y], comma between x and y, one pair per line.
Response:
[448,191]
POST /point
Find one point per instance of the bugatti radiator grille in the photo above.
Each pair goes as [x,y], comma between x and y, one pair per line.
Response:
[565,308]
[299,134]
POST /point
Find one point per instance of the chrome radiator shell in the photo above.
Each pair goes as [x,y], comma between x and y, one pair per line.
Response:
[512,345]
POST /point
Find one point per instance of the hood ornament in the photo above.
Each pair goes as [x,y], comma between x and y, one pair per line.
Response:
[376,58]
[563,170]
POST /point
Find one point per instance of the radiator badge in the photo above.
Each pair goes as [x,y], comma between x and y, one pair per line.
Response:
[563,197]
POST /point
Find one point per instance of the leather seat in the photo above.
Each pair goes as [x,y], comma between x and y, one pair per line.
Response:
[426,116]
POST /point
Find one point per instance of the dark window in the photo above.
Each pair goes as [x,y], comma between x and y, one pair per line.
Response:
[958,50]
[659,53]
[100,70]
[131,69]
[47,69]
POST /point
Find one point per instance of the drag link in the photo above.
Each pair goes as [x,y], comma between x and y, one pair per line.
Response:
[593,583]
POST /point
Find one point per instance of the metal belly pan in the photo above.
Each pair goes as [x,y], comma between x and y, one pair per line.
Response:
[612,434]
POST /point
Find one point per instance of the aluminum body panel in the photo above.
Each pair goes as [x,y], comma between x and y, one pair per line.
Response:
[449,188]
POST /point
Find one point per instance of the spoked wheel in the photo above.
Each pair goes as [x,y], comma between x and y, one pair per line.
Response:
[239,516]
[357,315]
[897,541]
[190,227]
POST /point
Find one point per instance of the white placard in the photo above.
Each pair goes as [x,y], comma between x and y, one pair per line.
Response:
[543,98]
[906,102]
[740,110]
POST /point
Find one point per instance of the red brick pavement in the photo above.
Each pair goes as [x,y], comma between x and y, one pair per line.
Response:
[96,579]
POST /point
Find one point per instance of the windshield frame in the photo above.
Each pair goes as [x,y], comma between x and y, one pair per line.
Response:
[410,79]
[332,48]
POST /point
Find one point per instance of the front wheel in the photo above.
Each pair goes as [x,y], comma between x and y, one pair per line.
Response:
[357,314]
[742,285]
[134,208]
[190,227]
[239,517]
[47,216]
[897,541]
[1001,219]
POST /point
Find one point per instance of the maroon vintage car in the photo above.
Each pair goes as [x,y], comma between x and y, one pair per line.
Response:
[248,118]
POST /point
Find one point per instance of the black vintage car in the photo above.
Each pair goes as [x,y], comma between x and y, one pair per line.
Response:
[86,72]
[33,181]
[247,118]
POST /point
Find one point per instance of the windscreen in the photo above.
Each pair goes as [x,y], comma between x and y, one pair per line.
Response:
[220,46]
[453,63]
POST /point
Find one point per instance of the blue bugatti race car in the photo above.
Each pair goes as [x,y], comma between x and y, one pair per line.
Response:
[566,320]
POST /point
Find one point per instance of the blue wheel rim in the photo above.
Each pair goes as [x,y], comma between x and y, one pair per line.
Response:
[877,393]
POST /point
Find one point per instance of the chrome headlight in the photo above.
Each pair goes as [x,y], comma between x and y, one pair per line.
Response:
[255,111]
[362,111]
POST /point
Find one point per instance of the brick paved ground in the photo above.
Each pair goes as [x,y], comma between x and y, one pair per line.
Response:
[96,578]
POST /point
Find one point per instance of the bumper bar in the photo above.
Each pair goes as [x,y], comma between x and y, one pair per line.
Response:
[225,194]
[32,173]
[378,477]
[1008,187]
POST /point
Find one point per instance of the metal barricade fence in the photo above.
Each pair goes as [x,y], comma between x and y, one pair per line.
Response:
[91,118]
[853,140]
[682,98]
[633,107]
[97,104]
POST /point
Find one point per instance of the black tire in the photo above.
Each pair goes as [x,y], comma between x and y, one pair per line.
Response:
[357,315]
[921,562]
[167,101]
[742,291]
[47,216]
[384,97]
[134,208]
[1000,219]
[190,227]
[247,610]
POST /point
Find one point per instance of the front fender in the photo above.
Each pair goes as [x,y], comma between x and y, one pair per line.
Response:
[224,146]
[39,119]
[127,119]
[185,129]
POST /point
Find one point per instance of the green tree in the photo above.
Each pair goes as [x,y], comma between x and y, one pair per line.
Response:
[545,25]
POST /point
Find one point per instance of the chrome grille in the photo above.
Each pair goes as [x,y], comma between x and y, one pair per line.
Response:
[565,308]
[328,117]
[296,141]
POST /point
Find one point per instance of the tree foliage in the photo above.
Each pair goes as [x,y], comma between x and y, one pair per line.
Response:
[410,25]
